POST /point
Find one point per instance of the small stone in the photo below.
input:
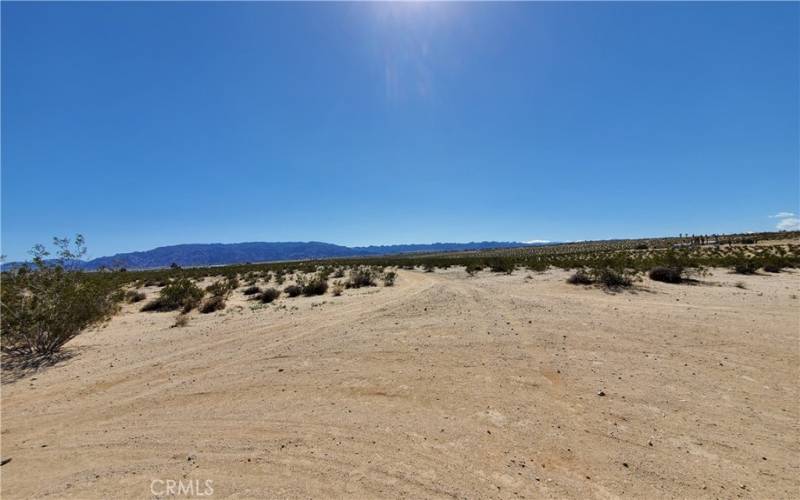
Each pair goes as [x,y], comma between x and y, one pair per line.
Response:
[601,393]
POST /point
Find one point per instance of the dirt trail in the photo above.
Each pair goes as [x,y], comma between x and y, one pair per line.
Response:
[442,386]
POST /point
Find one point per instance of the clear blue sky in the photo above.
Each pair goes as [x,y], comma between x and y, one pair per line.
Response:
[147,124]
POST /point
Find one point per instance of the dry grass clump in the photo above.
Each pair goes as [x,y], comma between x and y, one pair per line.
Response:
[211,304]
[180,321]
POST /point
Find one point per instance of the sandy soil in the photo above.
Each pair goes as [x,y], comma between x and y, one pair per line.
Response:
[442,386]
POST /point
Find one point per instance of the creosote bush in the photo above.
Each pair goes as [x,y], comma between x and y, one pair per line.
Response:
[746,267]
[317,285]
[580,277]
[179,294]
[293,290]
[45,306]
[666,274]
[269,295]
[611,278]
[360,276]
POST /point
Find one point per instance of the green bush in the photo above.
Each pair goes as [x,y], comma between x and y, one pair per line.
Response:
[611,278]
[179,294]
[388,278]
[502,266]
[473,268]
[45,306]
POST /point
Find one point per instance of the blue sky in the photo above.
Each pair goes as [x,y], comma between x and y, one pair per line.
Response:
[147,124]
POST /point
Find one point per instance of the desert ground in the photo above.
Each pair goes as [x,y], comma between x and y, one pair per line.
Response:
[445,385]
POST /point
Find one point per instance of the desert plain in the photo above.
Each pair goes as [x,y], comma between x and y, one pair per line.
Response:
[442,386]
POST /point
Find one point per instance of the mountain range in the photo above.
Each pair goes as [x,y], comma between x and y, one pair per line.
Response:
[214,254]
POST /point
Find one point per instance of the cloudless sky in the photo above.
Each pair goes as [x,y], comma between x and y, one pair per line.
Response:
[148,124]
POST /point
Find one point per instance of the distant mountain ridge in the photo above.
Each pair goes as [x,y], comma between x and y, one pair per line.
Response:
[217,254]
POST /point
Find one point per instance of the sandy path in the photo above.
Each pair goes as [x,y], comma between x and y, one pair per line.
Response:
[441,386]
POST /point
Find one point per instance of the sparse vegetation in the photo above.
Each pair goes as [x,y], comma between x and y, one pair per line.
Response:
[666,274]
[580,277]
[251,290]
[211,304]
[317,285]
[179,294]
[269,295]
[181,320]
[133,296]
[388,278]
[45,306]
[360,276]
[293,290]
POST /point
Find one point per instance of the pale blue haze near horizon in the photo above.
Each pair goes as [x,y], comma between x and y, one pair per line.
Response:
[149,124]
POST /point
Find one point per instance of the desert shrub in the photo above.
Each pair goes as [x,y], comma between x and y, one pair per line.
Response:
[133,296]
[388,278]
[280,278]
[45,306]
[501,266]
[179,294]
[745,267]
[666,274]
[580,277]
[428,267]
[293,290]
[269,295]
[223,287]
[338,273]
[473,268]
[360,276]
[611,278]
[775,264]
[211,304]
[337,289]
[251,290]
[317,285]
